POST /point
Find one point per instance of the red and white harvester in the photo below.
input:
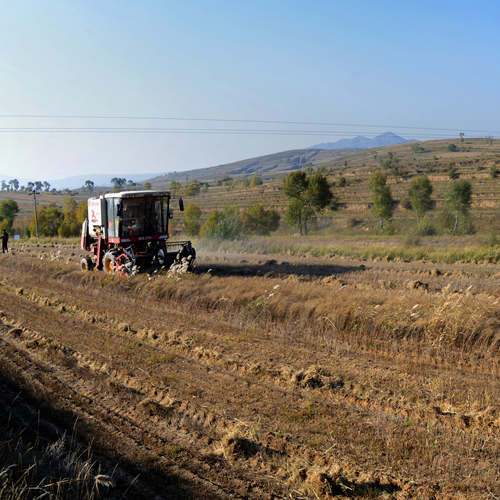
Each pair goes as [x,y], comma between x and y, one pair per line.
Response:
[128,232]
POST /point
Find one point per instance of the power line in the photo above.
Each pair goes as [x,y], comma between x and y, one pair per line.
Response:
[230,120]
[229,131]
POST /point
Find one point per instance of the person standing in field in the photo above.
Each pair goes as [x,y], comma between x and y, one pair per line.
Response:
[5,239]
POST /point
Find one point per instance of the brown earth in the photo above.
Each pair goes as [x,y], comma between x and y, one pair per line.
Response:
[264,379]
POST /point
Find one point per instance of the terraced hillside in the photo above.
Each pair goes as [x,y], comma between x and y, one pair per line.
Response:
[472,160]
[251,378]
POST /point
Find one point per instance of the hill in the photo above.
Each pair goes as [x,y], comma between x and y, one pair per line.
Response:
[362,142]
[472,160]
[267,166]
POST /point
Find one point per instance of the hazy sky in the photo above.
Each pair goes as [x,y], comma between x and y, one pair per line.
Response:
[386,63]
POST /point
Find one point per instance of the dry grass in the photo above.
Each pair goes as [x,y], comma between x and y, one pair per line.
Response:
[336,386]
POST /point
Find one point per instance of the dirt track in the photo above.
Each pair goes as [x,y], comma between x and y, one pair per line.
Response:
[249,379]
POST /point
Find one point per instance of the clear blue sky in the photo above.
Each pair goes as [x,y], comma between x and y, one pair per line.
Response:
[425,64]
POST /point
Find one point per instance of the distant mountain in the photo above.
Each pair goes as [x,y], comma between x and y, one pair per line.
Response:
[361,142]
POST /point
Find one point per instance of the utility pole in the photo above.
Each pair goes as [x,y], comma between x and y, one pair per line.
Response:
[34,193]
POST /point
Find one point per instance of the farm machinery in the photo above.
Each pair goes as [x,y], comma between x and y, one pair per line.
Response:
[128,231]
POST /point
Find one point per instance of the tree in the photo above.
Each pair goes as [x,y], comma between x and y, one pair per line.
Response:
[458,199]
[494,172]
[8,211]
[308,195]
[82,212]
[30,186]
[49,220]
[341,182]
[4,186]
[453,173]
[131,183]
[175,187]
[38,185]
[89,185]
[420,196]
[257,220]
[417,148]
[192,215]
[46,186]
[452,147]
[382,197]
[147,185]
[118,182]
[192,189]
[69,225]
[225,224]
[256,181]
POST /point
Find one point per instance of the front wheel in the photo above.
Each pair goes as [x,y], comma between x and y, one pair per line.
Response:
[108,263]
[86,264]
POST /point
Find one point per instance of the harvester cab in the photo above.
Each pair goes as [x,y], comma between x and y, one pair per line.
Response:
[127,232]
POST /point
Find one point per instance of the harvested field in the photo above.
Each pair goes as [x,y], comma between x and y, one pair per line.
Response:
[258,378]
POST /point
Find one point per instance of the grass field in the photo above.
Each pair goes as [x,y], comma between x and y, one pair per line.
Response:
[259,377]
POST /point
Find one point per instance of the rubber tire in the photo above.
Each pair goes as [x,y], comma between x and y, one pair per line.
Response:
[161,257]
[86,264]
[108,263]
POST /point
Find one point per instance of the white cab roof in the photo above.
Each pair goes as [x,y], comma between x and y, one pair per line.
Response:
[137,194]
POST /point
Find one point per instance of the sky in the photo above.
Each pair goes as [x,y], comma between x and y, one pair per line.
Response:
[364,67]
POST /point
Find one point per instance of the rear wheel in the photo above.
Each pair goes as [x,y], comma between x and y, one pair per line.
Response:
[86,264]
[108,263]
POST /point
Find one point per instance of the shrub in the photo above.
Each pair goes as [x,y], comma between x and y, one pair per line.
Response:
[258,220]
[224,225]
[452,147]
[192,217]
[192,189]
[341,182]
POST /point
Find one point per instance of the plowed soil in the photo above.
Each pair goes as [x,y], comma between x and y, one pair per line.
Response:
[252,378]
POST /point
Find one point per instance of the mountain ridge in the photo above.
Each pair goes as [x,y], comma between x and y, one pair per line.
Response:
[362,142]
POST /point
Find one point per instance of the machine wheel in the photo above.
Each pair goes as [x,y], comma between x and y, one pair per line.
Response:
[108,263]
[86,264]
[161,258]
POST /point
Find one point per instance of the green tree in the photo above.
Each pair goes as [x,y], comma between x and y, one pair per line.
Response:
[494,172]
[382,198]
[118,182]
[192,189]
[49,220]
[453,148]
[69,224]
[225,224]
[453,173]
[192,215]
[458,199]
[420,196]
[89,185]
[256,181]
[308,194]
[147,185]
[81,212]
[257,220]
[8,211]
